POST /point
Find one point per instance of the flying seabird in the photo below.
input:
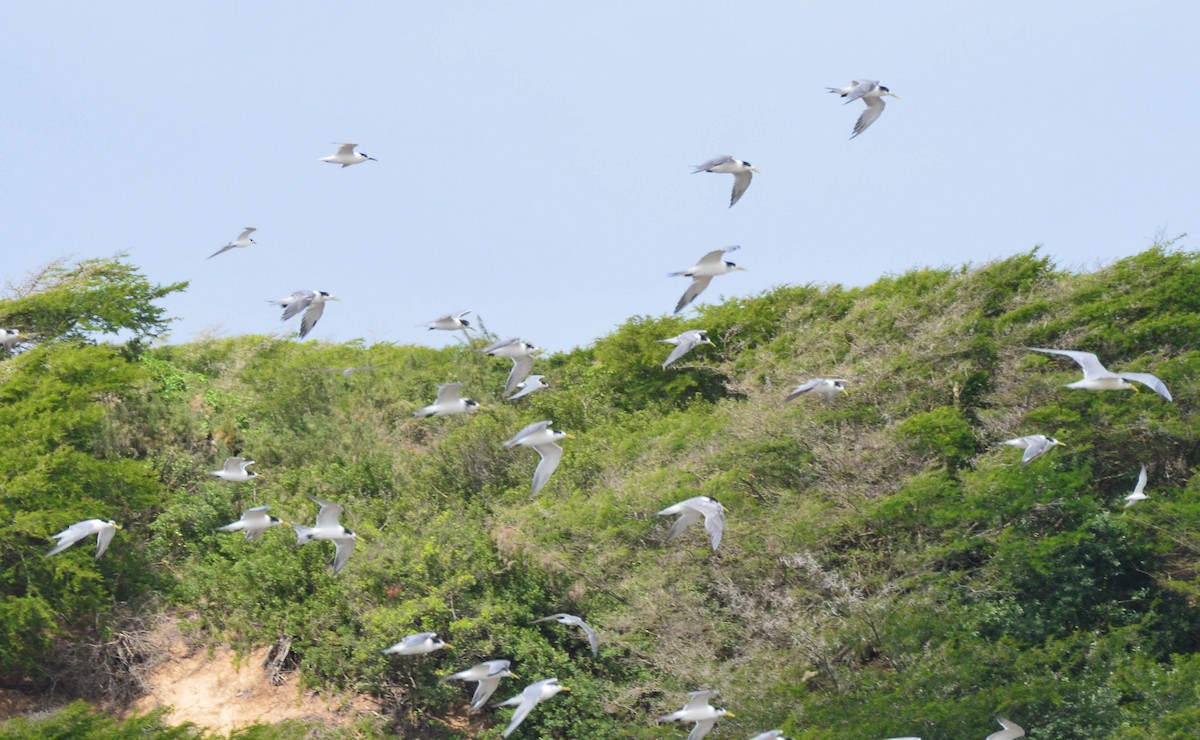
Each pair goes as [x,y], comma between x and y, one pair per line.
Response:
[311,302]
[1137,494]
[1035,445]
[527,386]
[449,402]
[418,644]
[691,511]
[702,273]
[826,388]
[487,675]
[1097,378]
[1011,730]
[871,93]
[243,240]
[103,530]
[544,440]
[328,528]
[742,173]
[573,621]
[450,322]
[521,353]
[234,470]
[534,693]
[684,343]
[346,156]
[698,710]
[253,522]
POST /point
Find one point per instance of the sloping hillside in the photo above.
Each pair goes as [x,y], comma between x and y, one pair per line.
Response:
[887,567]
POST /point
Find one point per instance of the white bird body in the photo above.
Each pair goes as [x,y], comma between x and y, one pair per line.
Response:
[487,676]
[698,710]
[450,322]
[328,528]
[521,353]
[253,522]
[691,511]
[311,302]
[742,173]
[346,156]
[104,531]
[533,694]
[702,273]
[527,386]
[449,402]
[826,388]
[1138,494]
[871,93]
[1035,445]
[573,621]
[234,470]
[684,343]
[1011,730]
[1098,378]
[243,240]
[421,643]
[544,441]
[9,338]
[769,735]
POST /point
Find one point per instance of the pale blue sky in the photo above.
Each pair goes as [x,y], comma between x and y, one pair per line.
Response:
[534,157]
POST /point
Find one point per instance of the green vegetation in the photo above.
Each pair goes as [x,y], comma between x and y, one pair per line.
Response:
[887,568]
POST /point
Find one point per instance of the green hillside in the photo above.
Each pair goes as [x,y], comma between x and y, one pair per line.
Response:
[887,567]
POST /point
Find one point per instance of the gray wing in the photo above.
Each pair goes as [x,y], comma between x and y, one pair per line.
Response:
[417,639]
[686,344]
[529,385]
[233,464]
[687,518]
[699,699]
[501,345]
[1141,484]
[222,250]
[714,519]
[861,88]
[529,699]
[256,521]
[714,258]
[536,426]
[1011,730]
[715,161]
[804,388]
[346,149]
[741,181]
[71,535]
[702,728]
[1034,448]
[311,316]
[345,548]
[552,617]
[301,300]
[329,514]
[592,638]
[103,538]
[551,455]
[874,109]
[1088,362]
[246,234]
[448,393]
[521,368]
[1151,382]
[484,690]
[699,283]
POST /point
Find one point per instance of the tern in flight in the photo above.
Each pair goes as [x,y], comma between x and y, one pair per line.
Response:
[702,273]
[346,156]
[742,173]
[243,240]
[871,93]
[311,302]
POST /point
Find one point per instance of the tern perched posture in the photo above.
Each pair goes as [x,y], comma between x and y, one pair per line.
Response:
[1097,378]
[418,644]
[690,512]
[527,386]
[103,530]
[450,322]
[243,240]
[1035,445]
[573,621]
[346,156]
[487,676]
[702,273]
[328,528]
[521,353]
[1011,730]
[311,302]
[253,522]
[698,710]
[742,173]
[684,343]
[234,470]
[544,441]
[1137,494]
[449,401]
[826,388]
[533,694]
[871,93]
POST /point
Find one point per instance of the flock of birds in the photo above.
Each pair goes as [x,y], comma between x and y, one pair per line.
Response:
[310,305]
